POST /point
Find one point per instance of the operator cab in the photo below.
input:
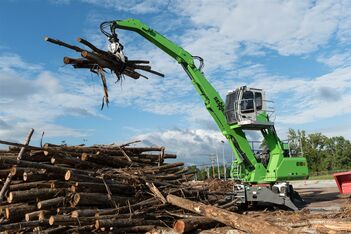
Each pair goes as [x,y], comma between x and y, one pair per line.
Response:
[244,106]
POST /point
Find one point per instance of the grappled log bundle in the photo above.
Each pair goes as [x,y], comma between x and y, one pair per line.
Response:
[97,58]
[97,61]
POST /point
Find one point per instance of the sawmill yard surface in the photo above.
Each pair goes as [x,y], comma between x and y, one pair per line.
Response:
[320,195]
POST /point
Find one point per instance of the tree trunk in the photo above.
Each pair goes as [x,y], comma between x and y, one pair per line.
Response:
[241,222]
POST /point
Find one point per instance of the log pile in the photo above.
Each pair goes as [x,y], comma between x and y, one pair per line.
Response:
[123,189]
[87,188]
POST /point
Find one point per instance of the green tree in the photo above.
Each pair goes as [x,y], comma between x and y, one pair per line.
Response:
[339,153]
[322,153]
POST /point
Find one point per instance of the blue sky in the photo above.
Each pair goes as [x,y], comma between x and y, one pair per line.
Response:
[298,51]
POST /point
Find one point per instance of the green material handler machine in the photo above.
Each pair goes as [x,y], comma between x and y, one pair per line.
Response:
[245,109]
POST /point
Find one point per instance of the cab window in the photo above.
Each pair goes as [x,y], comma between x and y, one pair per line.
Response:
[247,102]
[258,101]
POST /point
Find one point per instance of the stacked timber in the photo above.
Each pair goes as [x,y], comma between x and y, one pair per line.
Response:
[58,188]
[125,189]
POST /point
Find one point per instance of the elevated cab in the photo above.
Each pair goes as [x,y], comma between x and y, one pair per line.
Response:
[247,107]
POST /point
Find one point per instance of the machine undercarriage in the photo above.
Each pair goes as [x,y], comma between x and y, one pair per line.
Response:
[280,194]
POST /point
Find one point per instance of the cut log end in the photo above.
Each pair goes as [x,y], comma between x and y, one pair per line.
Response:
[74,214]
[85,54]
[52,220]
[41,216]
[179,226]
[97,224]
[7,213]
[26,217]
[84,157]
[13,171]
[25,176]
[76,200]
[10,197]
[66,60]
[68,175]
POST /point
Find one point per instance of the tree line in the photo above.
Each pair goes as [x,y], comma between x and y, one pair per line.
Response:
[323,154]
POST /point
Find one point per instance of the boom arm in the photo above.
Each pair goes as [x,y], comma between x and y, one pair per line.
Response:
[212,100]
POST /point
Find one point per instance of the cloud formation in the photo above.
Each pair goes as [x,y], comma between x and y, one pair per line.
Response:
[31,97]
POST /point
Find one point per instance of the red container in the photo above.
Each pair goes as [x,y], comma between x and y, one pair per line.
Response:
[343,180]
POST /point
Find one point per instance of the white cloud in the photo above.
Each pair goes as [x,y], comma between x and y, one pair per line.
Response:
[35,98]
[191,146]
[290,27]
[132,6]
[299,101]
[10,62]
[336,59]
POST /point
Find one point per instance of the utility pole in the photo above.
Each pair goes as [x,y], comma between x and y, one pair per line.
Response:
[208,172]
[224,163]
[218,171]
[212,158]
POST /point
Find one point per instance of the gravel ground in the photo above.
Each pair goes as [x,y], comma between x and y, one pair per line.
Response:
[320,195]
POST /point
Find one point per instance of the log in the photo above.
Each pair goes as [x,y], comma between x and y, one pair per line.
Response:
[32,215]
[32,194]
[102,61]
[51,202]
[99,223]
[30,185]
[192,224]
[52,230]
[112,151]
[49,168]
[45,214]
[156,192]
[17,213]
[137,229]
[84,213]
[72,161]
[39,176]
[92,47]
[71,175]
[114,187]
[14,227]
[18,145]
[67,220]
[3,207]
[98,199]
[9,177]
[106,160]
[76,61]
[81,229]
[64,210]
[241,222]
[61,43]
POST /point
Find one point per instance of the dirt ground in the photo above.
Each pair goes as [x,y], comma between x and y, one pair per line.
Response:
[324,211]
[320,195]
